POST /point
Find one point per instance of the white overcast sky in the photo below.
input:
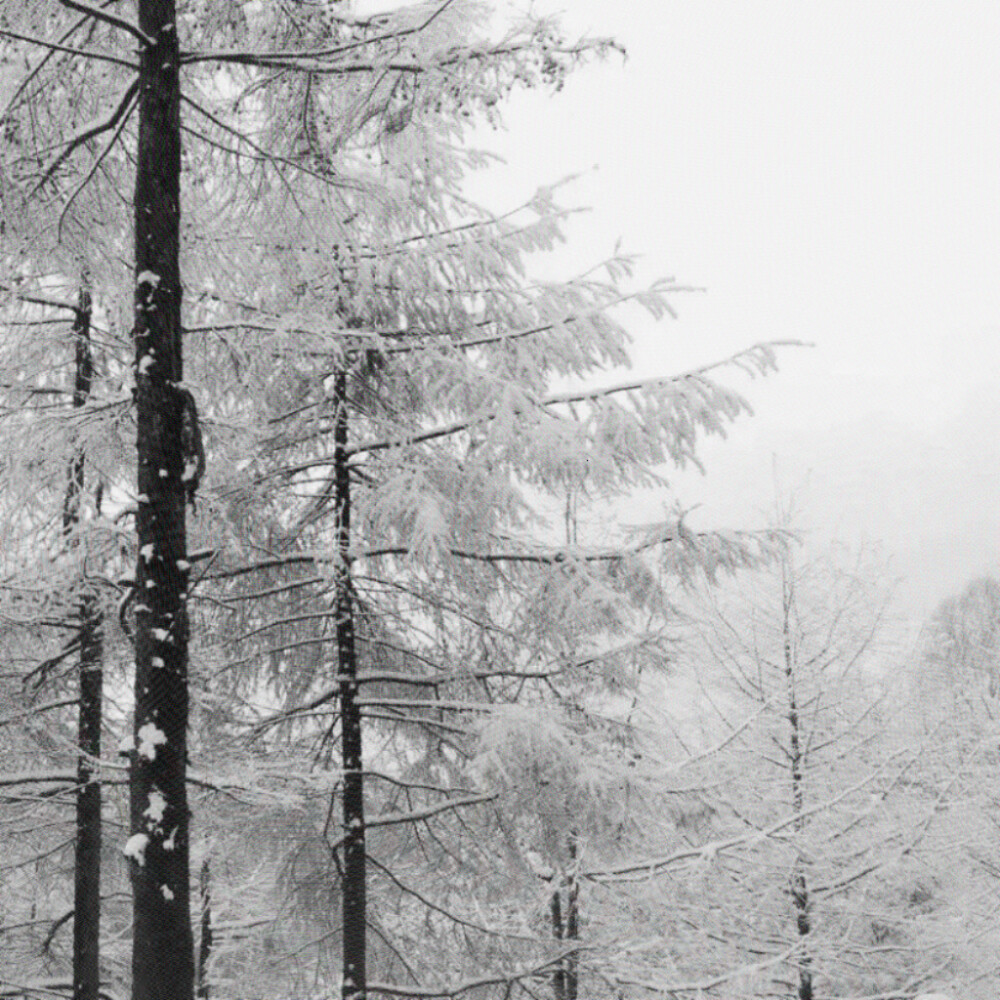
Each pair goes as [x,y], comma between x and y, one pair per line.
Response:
[828,171]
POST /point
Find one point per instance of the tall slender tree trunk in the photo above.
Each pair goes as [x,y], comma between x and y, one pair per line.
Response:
[558,932]
[354,985]
[566,926]
[206,941]
[162,943]
[572,919]
[87,859]
[799,888]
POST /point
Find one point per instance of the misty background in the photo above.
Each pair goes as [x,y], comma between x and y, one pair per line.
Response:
[824,172]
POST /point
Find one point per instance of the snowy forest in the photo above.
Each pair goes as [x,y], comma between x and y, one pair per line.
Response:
[331,661]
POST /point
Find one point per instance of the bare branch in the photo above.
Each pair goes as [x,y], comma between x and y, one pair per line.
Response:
[112,19]
[109,145]
[109,122]
[57,47]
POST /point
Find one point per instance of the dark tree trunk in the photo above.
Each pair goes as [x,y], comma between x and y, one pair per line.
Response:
[572,920]
[799,888]
[162,943]
[354,985]
[566,927]
[87,860]
[87,882]
[558,932]
[205,944]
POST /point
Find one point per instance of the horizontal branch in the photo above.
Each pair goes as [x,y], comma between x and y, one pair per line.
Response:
[38,778]
[420,815]
[672,989]
[36,709]
[715,847]
[336,50]
[60,987]
[38,300]
[539,556]
[756,360]
[57,47]
[411,680]
[446,992]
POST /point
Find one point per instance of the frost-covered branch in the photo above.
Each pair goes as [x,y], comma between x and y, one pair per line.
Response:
[445,992]
[671,989]
[713,848]
[758,359]
[338,50]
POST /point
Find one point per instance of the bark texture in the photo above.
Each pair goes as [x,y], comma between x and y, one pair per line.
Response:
[87,848]
[162,946]
[354,985]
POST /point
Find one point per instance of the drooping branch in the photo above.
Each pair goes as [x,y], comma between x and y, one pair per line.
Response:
[90,131]
[99,159]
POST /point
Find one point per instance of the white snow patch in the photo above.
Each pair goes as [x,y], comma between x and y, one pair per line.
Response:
[163,473]
[147,551]
[145,363]
[135,847]
[157,806]
[538,865]
[159,634]
[171,842]
[142,498]
[150,737]
[147,278]
[183,565]
[158,661]
[167,894]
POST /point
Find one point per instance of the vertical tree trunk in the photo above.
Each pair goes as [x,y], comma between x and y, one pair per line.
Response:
[558,932]
[566,926]
[87,853]
[572,919]
[205,944]
[799,888]
[354,985]
[162,944]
